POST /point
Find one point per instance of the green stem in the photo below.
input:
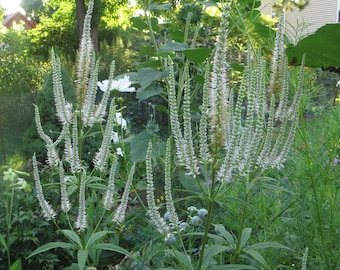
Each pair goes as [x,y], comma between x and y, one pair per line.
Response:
[9,210]
[243,220]
[302,133]
[211,201]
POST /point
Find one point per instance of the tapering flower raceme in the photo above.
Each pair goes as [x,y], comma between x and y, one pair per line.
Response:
[88,109]
[109,194]
[81,222]
[85,56]
[219,85]
[100,159]
[304,259]
[120,213]
[63,108]
[169,202]
[278,59]
[65,202]
[52,155]
[47,210]
[174,118]
[153,212]
[190,156]
[101,109]
[203,126]
[75,161]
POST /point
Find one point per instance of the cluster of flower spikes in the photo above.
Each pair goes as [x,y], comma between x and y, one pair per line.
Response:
[257,135]
[248,129]
[73,121]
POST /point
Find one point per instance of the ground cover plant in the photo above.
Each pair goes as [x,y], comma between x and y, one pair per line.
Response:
[226,187]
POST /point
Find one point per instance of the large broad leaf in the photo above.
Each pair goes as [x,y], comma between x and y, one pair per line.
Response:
[148,75]
[321,48]
[139,145]
[174,47]
[52,245]
[197,55]
[152,90]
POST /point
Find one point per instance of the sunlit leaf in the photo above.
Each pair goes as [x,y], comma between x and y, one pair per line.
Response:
[174,47]
[16,265]
[197,55]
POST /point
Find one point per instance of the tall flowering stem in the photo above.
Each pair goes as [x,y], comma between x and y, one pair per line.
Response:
[169,201]
[65,153]
[120,213]
[81,223]
[153,211]
[47,210]
[243,130]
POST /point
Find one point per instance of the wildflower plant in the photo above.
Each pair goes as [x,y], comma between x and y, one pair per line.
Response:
[243,132]
[80,182]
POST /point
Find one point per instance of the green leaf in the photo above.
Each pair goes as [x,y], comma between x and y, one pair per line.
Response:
[139,145]
[321,48]
[73,236]
[197,55]
[152,63]
[161,7]
[3,242]
[152,90]
[52,245]
[95,237]
[245,237]
[234,267]
[146,51]
[148,75]
[211,251]
[181,257]
[112,247]
[139,23]
[16,265]
[73,266]
[257,256]
[267,245]
[174,47]
[82,257]
[219,228]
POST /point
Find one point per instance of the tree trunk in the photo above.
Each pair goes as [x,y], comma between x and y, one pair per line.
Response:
[81,12]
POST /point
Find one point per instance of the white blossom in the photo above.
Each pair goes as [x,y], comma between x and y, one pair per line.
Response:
[121,85]
[120,120]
